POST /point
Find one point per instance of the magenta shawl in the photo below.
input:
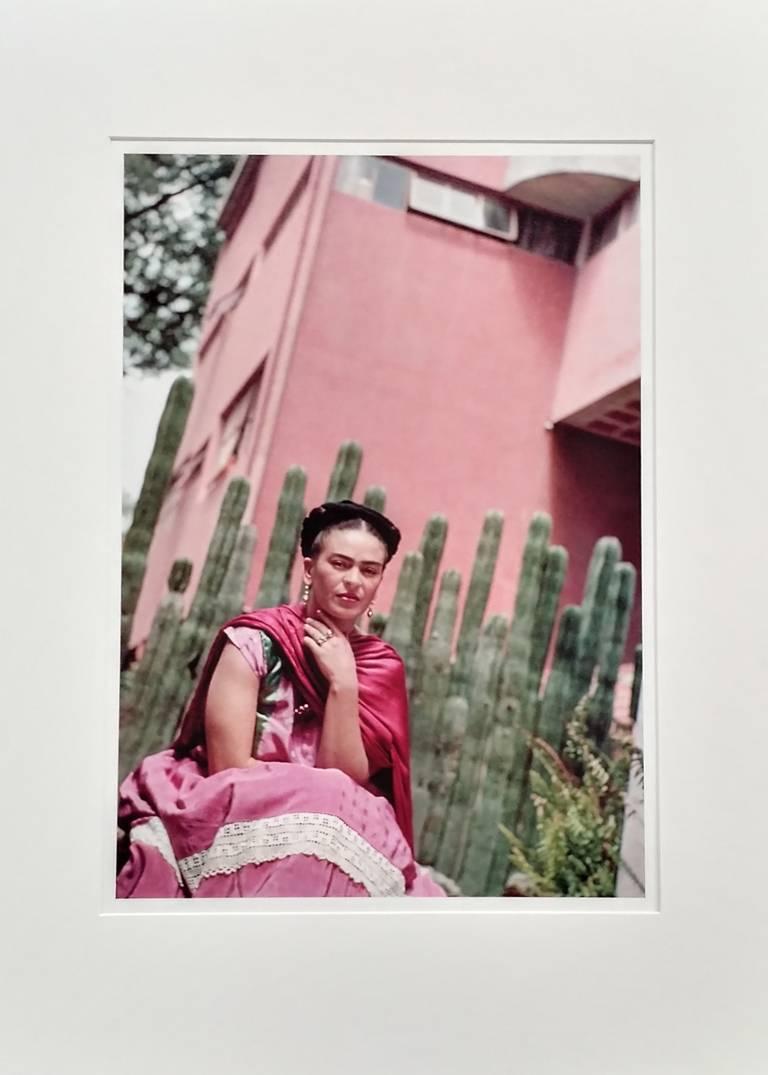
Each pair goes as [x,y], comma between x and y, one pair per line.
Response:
[383,701]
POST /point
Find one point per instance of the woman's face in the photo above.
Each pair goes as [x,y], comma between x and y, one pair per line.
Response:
[345,574]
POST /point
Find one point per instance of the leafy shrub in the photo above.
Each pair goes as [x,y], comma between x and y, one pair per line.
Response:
[579,801]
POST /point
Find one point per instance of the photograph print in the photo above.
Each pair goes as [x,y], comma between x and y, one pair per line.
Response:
[381,628]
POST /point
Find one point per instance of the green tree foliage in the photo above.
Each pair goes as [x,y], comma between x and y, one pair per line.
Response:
[171,209]
[579,801]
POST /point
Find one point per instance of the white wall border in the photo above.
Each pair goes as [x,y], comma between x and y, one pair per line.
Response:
[677,991]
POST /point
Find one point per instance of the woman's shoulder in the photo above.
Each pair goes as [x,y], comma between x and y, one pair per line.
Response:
[258,647]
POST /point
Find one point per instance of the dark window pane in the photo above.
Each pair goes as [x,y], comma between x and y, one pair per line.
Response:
[495,215]
[391,185]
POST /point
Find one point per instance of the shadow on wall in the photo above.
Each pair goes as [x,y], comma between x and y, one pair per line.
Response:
[595,490]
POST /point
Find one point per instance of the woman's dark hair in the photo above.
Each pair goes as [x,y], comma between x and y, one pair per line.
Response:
[348,524]
[348,515]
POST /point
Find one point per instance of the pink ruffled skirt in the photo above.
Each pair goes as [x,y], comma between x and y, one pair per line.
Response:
[276,829]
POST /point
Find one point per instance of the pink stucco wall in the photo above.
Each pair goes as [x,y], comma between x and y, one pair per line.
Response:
[602,343]
[438,350]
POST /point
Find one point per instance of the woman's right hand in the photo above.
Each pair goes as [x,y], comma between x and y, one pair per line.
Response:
[331,650]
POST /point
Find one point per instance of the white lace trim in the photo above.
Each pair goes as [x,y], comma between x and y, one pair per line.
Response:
[325,836]
[152,833]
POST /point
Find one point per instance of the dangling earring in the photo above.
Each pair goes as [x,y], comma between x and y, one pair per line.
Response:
[370,610]
[305,593]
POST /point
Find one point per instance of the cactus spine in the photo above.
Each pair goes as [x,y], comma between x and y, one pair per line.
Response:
[138,537]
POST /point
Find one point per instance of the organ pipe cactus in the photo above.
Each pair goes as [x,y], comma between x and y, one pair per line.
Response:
[529,634]
[606,555]
[345,472]
[231,598]
[147,674]
[284,538]
[400,621]
[476,601]
[164,625]
[220,548]
[468,787]
[449,741]
[612,647]
[157,476]
[428,700]
[431,549]
[517,662]
[555,711]
[375,497]
[553,576]
[482,697]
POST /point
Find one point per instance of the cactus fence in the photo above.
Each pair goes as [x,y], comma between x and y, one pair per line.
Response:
[479,688]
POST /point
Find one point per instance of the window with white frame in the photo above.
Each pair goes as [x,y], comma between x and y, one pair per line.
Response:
[469,209]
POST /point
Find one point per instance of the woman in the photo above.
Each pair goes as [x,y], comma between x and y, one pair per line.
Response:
[290,774]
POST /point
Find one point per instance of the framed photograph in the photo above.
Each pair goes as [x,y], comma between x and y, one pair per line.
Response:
[453,303]
[448,338]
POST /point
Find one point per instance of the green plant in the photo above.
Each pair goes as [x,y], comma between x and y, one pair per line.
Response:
[345,472]
[157,477]
[281,552]
[579,799]
[475,602]
[399,629]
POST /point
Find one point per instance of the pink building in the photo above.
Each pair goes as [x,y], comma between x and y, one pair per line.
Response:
[473,322]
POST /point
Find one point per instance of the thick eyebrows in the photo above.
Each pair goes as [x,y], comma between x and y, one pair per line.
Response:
[362,563]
